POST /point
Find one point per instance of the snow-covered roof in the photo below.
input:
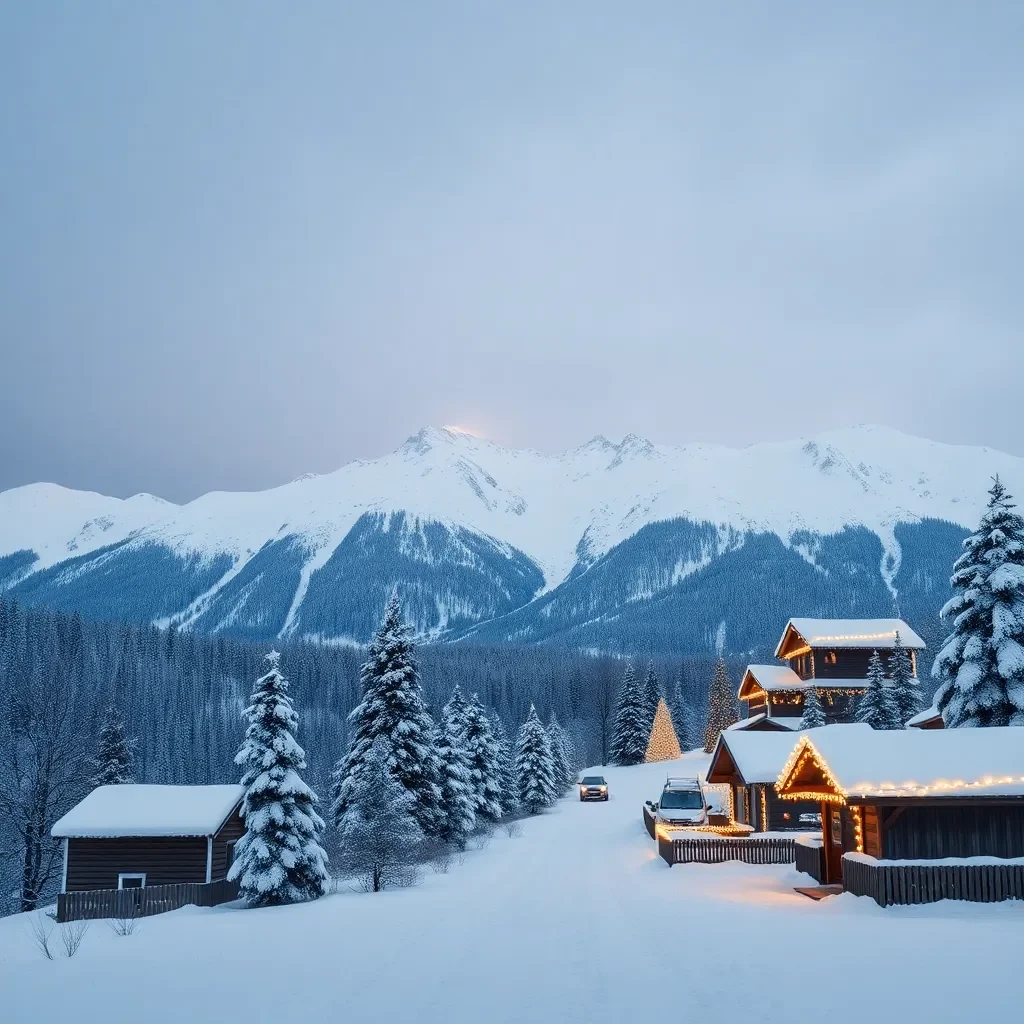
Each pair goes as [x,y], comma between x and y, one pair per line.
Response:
[789,724]
[782,677]
[868,633]
[138,810]
[858,761]
[923,716]
[757,756]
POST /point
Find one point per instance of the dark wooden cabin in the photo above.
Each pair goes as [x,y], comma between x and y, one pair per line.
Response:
[749,762]
[831,655]
[911,794]
[930,718]
[135,836]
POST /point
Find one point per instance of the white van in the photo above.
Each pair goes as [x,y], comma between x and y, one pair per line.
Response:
[682,803]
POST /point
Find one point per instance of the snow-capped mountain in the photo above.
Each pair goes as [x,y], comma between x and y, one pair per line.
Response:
[628,546]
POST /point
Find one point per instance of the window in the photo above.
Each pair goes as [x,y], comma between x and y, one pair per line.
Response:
[131,880]
[229,855]
[830,657]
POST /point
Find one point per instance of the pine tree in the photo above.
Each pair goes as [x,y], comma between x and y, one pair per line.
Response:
[114,762]
[507,778]
[663,744]
[392,706]
[534,768]
[561,772]
[279,858]
[484,762]
[980,667]
[683,718]
[378,834]
[813,716]
[906,690]
[652,694]
[458,815]
[629,742]
[877,707]
[721,705]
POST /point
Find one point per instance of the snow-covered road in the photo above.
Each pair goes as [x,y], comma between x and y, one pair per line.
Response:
[575,920]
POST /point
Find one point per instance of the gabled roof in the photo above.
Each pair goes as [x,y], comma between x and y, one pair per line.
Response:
[110,812]
[928,715]
[762,723]
[856,761]
[873,634]
[782,677]
[754,756]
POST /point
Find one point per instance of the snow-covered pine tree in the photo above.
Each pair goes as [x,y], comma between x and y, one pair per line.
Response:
[534,769]
[378,834]
[663,744]
[458,816]
[652,694]
[877,707]
[629,739]
[721,705]
[456,711]
[683,718]
[813,715]
[559,762]
[114,763]
[392,706]
[279,859]
[906,691]
[506,768]
[981,665]
[484,762]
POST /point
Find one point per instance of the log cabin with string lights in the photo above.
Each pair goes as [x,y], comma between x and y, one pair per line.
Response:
[941,811]
[830,655]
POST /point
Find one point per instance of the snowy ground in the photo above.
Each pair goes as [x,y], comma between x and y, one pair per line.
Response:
[575,920]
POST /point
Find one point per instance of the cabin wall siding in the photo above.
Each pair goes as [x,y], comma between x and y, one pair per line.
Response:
[936,831]
[230,831]
[96,863]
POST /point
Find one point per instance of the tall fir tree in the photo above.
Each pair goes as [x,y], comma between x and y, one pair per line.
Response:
[559,761]
[906,691]
[663,744]
[279,859]
[652,694]
[813,715]
[458,814]
[484,764]
[877,706]
[683,718]
[629,740]
[506,768]
[392,706]
[114,763]
[980,667]
[378,834]
[721,705]
[534,768]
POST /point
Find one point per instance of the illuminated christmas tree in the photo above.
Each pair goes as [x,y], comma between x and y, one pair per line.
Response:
[663,745]
[721,706]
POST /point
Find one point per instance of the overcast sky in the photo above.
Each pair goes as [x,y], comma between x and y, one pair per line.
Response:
[243,241]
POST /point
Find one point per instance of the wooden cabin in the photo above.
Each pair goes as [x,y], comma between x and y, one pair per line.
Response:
[910,794]
[831,655]
[136,836]
[749,763]
[930,718]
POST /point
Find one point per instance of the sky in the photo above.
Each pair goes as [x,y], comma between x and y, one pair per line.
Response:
[242,241]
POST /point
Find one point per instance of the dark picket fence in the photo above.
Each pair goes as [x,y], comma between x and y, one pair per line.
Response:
[811,859]
[889,884]
[718,849]
[145,902]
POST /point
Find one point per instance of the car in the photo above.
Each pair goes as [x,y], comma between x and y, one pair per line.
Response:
[682,804]
[593,787]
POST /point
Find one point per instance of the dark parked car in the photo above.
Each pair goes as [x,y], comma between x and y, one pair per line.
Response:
[593,787]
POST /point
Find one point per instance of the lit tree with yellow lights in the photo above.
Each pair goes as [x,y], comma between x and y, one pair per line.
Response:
[721,706]
[663,744]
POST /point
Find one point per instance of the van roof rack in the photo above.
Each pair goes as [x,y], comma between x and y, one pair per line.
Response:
[682,782]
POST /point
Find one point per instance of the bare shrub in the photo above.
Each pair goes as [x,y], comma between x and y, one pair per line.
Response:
[483,839]
[442,863]
[124,925]
[71,935]
[513,829]
[41,935]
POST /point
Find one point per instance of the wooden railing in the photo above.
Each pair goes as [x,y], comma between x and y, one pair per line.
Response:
[810,857]
[894,883]
[717,850]
[144,902]
[649,822]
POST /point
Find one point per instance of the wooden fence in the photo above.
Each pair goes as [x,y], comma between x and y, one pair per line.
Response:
[649,822]
[717,850]
[889,884]
[811,859]
[144,902]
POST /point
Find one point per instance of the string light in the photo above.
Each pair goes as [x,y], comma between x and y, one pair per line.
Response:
[858,827]
[764,809]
